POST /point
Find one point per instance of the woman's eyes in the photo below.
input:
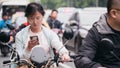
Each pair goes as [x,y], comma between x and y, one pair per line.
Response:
[38,18]
[35,18]
[31,18]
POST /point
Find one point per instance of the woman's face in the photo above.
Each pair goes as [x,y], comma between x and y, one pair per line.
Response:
[35,20]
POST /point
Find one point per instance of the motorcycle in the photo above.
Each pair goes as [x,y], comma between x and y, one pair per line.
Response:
[76,41]
[38,57]
[4,39]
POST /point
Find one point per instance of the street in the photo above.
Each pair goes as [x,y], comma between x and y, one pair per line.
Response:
[3,59]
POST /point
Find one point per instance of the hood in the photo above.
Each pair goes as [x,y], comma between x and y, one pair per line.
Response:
[102,25]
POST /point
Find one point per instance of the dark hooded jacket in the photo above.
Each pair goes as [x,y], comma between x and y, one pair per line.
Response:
[95,53]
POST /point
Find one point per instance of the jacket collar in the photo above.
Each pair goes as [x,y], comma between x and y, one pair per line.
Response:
[102,25]
[28,27]
[26,31]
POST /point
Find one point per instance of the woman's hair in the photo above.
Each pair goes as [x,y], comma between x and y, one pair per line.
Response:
[32,8]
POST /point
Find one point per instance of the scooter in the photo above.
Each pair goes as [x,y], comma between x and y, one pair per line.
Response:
[4,40]
[38,58]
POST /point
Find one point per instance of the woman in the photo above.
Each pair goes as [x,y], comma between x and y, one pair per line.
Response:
[46,38]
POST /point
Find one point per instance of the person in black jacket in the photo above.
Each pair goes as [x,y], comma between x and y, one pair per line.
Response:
[94,53]
[54,24]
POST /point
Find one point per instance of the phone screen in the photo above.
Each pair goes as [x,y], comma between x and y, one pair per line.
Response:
[33,37]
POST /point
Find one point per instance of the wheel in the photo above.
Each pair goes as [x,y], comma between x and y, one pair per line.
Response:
[4,50]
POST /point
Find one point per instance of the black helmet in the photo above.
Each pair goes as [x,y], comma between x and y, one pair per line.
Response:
[4,37]
[5,14]
[68,33]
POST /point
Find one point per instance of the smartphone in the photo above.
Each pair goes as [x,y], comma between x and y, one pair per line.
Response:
[33,37]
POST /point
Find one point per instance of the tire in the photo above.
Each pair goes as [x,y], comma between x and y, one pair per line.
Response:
[5,50]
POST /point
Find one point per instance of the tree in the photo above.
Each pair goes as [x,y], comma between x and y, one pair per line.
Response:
[102,3]
[89,3]
[52,4]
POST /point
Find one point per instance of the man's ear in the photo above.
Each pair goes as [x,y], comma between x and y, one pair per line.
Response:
[113,13]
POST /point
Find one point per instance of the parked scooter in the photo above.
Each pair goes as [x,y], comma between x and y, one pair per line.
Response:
[4,40]
[75,42]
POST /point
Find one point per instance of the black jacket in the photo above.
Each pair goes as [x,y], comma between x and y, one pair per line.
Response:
[54,23]
[93,53]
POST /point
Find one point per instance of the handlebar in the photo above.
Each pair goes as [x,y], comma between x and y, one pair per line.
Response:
[74,56]
[71,60]
[6,61]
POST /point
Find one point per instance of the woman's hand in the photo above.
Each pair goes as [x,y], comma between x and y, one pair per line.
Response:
[31,44]
[65,58]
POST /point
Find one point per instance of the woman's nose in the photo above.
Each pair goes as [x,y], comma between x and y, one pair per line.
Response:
[34,20]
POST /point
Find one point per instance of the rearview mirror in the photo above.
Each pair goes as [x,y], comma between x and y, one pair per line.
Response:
[108,44]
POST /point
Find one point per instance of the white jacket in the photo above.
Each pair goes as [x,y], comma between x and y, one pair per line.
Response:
[52,38]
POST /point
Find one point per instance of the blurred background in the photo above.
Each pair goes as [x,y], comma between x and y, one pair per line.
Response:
[50,4]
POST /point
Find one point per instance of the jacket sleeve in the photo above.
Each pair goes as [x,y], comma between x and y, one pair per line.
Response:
[87,51]
[20,45]
[57,44]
